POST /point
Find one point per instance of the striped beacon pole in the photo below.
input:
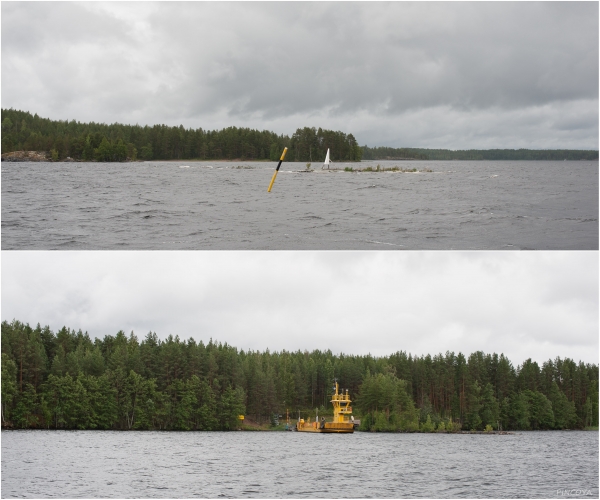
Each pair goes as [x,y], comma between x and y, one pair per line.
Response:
[277,169]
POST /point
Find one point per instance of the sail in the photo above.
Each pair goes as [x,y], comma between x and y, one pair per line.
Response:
[327,160]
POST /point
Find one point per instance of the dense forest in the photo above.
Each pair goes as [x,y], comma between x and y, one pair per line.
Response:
[100,142]
[66,380]
[385,153]
[22,131]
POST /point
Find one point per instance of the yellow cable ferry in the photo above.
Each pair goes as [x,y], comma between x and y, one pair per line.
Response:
[343,421]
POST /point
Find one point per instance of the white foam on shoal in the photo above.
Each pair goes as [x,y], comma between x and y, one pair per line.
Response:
[384,243]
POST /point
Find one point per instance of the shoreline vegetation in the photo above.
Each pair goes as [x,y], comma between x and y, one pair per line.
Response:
[66,380]
[379,168]
[27,137]
[22,131]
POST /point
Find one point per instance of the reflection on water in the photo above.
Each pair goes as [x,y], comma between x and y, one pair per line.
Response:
[88,464]
[225,205]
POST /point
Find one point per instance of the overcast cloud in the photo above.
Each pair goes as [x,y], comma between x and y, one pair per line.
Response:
[452,75]
[539,305]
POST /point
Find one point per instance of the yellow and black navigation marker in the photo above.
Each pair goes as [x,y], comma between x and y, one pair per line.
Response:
[277,169]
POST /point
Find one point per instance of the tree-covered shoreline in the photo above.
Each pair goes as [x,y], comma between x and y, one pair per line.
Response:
[385,153]
[62,139]
[66,380]
[116,142]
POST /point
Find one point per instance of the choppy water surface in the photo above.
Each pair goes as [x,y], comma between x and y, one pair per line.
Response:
[204,205]
[92,464]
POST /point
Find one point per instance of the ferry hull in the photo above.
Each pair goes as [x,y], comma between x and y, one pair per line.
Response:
[329,427]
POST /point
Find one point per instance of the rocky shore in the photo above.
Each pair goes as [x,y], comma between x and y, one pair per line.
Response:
[22,156]
[26,156]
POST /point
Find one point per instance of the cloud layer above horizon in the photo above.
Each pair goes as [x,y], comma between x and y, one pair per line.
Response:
[535,305]
[450,75]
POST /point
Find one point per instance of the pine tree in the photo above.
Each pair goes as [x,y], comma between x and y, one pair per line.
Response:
[490,410]
[9,385]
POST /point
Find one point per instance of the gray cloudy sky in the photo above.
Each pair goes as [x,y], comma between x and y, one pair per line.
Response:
[536,304]
[451,75]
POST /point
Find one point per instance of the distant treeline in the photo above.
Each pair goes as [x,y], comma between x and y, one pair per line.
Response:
[67,381]
[100,142]
[385,153]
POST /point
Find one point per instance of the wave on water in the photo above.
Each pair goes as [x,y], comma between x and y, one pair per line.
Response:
[577,219]
[143,214]
[384,243]
[184,166]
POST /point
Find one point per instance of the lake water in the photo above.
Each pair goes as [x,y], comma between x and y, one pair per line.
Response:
[225,205]
[76,464]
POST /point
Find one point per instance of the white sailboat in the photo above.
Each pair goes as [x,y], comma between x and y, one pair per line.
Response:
[327,161]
